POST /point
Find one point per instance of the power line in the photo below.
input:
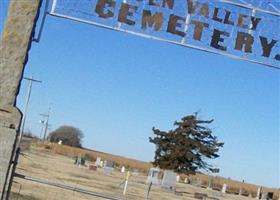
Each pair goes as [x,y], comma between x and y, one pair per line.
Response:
[31,80]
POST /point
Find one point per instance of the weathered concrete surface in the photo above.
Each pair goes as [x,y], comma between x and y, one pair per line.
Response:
[14,46]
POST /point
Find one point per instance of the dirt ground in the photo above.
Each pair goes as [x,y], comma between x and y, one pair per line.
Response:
[44,165]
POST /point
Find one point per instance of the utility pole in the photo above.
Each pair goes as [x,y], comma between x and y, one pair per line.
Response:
[42,129]
[31,80]
[47,116]
[16,156]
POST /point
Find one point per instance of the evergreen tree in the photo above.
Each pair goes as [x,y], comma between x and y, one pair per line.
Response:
[186,148]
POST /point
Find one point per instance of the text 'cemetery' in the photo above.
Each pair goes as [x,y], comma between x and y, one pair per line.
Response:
[206,25]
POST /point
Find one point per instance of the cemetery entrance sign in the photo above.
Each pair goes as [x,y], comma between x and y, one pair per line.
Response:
[238,30]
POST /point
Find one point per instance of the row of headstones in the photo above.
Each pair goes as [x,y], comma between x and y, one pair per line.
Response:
[260,194]
[107,165]
[170,178]
[168,181]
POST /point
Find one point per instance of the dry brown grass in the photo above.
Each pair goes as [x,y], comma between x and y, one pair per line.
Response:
[233,186]
[58,168]
[72,152]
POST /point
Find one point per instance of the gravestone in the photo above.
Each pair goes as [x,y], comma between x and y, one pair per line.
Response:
[187,180]
[178,178]
[153,176]
[191,181]
[92,167]
[109,163]
[169,180]
[224,189]
[123,169]
[98,162]
[108,170]
[210,183]
[198,182]
[108,167]
[79,161]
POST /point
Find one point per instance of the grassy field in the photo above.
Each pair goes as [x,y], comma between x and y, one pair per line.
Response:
[45,163]
[92,155]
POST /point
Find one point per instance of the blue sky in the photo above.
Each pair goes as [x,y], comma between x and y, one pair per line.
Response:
[115,87]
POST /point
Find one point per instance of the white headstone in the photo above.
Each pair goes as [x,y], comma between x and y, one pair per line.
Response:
[108,167]
[186,180]
[224,189]
[122,169]
[98,162]
[153,176]
[60,142]
[178,178]
[108,170]
[169,180]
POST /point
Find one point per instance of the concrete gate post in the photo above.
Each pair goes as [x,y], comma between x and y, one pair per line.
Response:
[14,45]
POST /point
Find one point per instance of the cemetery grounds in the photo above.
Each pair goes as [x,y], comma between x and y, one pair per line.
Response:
[46,165]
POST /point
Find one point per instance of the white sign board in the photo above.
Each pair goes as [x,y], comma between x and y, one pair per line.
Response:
[238,30]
